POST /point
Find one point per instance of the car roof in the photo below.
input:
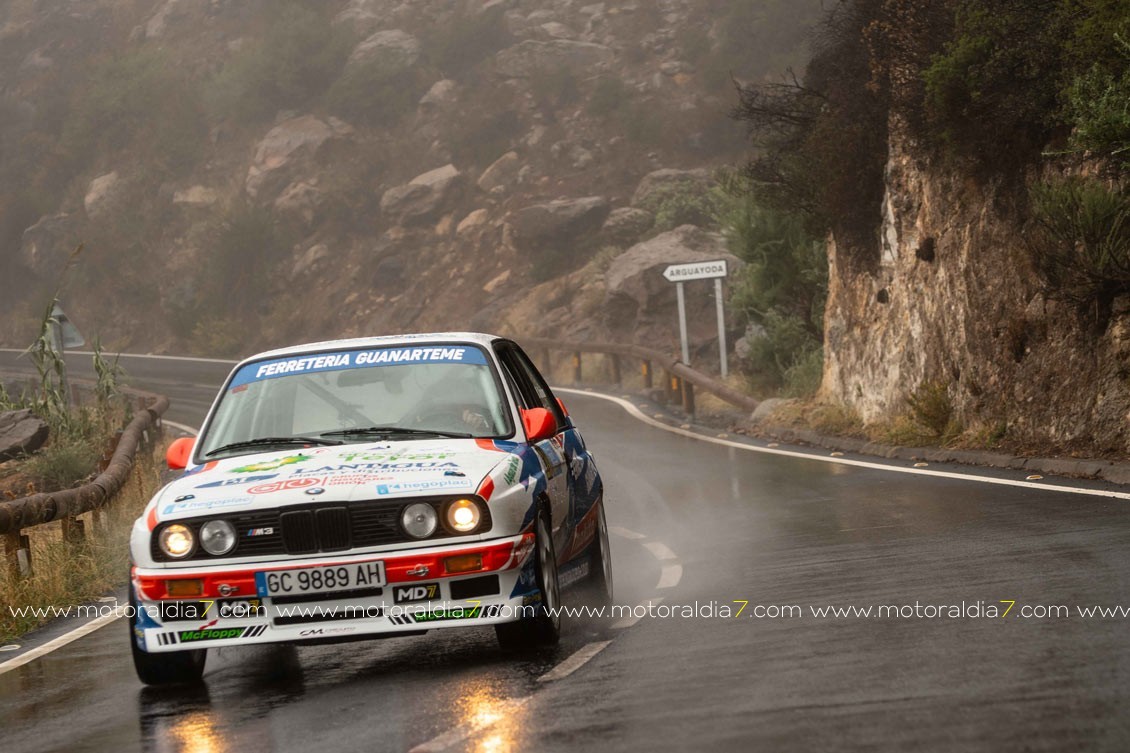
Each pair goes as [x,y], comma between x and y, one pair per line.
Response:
[384,341]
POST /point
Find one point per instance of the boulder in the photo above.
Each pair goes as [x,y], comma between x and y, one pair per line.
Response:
[302,200]
[101,194]
[475,219]
[196,196]
[423,198]
[655,185]
[45,245]
[521,60]
[626,225]
[502,173]
[559,222]
[21,433]
[443,95]
[284,144]
[393,50]
[309,260]
[640,303]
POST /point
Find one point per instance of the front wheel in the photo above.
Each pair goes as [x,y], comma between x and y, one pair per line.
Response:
[544,628]
[176,668]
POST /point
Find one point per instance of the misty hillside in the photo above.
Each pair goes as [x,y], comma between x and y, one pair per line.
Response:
[246,174]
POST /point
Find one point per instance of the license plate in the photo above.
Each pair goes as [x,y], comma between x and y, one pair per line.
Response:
[318,580]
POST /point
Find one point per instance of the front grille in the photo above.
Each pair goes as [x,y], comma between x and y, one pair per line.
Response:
[313,529]
[299,536]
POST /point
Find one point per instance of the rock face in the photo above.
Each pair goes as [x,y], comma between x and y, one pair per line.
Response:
[46,244]
[949,296]
[639,304]
[654,185]
[21,433]
[525,58]
[393,50]
[424,197]
[626,225]
[101,194]
[284,144]
[557,223]
[501,174]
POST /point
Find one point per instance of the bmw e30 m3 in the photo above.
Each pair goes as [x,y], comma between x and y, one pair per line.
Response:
[368,488]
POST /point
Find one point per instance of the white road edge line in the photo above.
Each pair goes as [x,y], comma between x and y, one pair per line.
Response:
[458,734]
[660,550]
[631,619]
[624,533]
[62,640]
[182,427]
[670,576]
[579,659]
[636,413]
[139,355]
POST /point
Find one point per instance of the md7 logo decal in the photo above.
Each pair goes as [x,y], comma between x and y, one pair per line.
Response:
[415,592]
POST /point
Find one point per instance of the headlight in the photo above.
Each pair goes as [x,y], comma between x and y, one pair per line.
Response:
[176,541]
[463,515]
[217,537]
[419,520]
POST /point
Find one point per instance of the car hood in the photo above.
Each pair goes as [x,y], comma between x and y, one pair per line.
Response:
[327,474]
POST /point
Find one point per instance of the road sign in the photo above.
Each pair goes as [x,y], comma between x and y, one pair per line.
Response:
[698,270]
[71,337]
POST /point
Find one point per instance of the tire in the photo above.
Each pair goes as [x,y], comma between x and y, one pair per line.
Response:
[598,583]
[175,668]
[544,629]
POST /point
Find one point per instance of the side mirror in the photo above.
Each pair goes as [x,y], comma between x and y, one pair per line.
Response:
[179,452]
[539,424]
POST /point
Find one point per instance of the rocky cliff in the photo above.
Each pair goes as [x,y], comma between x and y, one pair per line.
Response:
[953,301]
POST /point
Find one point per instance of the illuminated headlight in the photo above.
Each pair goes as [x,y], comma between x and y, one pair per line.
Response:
[217,537]
[419,520]
[463,515]
[176,541]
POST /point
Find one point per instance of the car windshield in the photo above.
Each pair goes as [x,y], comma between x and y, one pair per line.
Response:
[445,389]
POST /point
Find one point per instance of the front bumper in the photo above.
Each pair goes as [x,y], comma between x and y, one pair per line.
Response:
[228,606]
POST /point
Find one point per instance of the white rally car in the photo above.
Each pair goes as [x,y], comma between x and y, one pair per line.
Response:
[368,488]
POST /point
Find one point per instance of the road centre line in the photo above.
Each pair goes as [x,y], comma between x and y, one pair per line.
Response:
[638,414]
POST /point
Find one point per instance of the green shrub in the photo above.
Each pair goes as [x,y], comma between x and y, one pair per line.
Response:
[684,203]
[64,461]
[374,95]
[464,40]
[1098,108]
[296,60]
[803,376]
[218,337]
[142,101]
[1082,245]
[608,96]
[932,408]
[248,247]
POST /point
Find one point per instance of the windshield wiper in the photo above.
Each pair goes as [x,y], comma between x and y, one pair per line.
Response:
[269,441]
[386,430]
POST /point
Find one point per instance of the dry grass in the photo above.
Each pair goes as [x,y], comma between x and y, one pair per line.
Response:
[65,574]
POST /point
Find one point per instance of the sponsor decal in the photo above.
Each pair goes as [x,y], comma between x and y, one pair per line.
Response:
[271,465]
[285,484]
[415,592]
[422,486]
[513,466]
[325,631]
[203,504]
[255,372]
[393,457]
[236,481]
[458,613]
[222,634]
[410,467]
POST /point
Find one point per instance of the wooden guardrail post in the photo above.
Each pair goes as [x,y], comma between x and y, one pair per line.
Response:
[17,554]
[74,532]
[645,370]
[577,367]
[688,397]
[616,369]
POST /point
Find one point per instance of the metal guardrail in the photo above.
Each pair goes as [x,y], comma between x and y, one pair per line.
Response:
[65,505]
[679,383]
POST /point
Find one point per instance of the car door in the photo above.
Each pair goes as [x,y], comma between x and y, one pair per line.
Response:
[551,452]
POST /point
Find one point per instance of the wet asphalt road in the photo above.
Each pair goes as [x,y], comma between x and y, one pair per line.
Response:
[743,526]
